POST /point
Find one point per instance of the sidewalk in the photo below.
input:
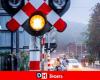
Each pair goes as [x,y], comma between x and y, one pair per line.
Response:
[93,67]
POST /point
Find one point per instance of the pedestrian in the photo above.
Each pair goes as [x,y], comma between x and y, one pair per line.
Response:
[15,62]
[65,61]
[57,64]
[8,63]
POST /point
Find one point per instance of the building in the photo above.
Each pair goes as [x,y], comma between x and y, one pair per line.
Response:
[78,50]
[8,39]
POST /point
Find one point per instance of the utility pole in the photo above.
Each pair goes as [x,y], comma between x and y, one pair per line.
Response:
[76,49]
[11,42]
[81,49]
[12,50]
[17,49]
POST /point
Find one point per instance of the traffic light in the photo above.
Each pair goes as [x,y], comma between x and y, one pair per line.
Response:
[50,46]
[51,42]
[12,6]
[59,6]
[37,24]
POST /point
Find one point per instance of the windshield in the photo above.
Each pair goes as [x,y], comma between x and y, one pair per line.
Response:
[72,61]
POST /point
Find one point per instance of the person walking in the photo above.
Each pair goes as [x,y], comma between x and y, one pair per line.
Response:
[64,62]
[57,65]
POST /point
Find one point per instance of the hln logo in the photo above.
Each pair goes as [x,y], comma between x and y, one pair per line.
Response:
[42,75]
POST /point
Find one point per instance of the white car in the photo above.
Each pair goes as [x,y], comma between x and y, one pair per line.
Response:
[73,65]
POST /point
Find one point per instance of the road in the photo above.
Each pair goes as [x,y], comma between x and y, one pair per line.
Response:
[90,69]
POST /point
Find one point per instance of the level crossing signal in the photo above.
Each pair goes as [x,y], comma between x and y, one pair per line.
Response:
[12,6]
[36,15]
[60,6]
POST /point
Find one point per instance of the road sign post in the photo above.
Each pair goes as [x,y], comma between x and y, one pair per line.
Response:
[34,47]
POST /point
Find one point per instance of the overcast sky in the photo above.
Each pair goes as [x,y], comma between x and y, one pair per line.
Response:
[80,11]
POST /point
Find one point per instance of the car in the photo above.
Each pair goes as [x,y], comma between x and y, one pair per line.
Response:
[73,65]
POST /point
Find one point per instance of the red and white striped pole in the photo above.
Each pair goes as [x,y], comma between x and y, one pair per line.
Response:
[49,62]
[34,63]
[43,41]
[43,46]
[48,54]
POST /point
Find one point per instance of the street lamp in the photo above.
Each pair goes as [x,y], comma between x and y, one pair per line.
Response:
[37,22]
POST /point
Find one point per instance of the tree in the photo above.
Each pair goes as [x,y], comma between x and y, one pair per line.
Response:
[24,60]
[93,41]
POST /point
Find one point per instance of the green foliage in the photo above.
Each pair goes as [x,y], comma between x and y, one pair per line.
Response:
[93,40]
[91,59]
[4,53]
[24,60]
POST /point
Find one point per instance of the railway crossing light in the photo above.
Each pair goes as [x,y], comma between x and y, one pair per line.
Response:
[60,6]
[37,22]
[12,6]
